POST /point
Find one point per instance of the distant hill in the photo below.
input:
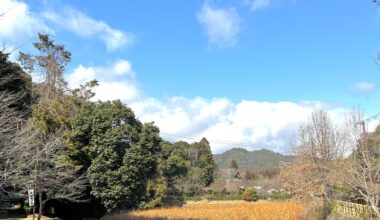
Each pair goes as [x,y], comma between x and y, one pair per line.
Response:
[251,160]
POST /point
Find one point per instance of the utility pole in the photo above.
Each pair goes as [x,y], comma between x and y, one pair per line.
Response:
[365,145]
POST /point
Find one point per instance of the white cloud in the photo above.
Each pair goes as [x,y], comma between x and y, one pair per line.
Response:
[248,124]
[365,87]
[261,4]
[258,4]
[251,123]
[222,26]
[82,25]
[116,81]
[18,23]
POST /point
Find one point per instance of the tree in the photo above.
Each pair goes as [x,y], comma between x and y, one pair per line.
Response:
[49,64]
[15,107]
[318,144]
[37,156]
[189,168]
[15,93]
[9,118]
[201,167]
[359,173]
[234,169]
[14,80]
[119,152]
[36,165]
[162,189]
[234,165]
[173,158]
[204,161]
[336,162]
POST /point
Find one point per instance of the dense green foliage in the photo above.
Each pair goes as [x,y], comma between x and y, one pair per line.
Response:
[162,189]
[250,195]
[74,150]
[127,163]
[117,150]
[184,169]
[200,167]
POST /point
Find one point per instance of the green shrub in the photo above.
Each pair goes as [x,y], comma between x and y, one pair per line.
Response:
[250,195]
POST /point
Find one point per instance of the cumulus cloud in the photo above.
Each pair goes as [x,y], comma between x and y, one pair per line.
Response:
[364,87]
[116,81]
[82,25]
[248,124]
[18,22]
[222,26]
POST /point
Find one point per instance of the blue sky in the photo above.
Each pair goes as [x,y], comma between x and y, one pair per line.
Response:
[194,66]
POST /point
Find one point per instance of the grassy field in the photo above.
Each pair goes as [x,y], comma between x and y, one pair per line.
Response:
[231,211]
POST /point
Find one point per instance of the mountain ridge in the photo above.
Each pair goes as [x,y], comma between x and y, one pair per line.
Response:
[256,160]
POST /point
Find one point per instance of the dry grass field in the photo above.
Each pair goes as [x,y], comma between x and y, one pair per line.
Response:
[223,211]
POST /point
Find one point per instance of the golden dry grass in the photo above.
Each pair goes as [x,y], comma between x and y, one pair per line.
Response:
[223,211]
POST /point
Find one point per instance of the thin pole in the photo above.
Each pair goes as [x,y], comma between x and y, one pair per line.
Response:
[365,143]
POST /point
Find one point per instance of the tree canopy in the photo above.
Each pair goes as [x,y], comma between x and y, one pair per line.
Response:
[118,151]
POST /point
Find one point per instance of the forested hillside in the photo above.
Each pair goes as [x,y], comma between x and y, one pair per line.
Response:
[250,160]
[73,151]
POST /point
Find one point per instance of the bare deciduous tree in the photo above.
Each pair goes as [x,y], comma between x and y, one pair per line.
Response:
[336,162]
[37,164]
[10,119]
[360,171]
[317,146]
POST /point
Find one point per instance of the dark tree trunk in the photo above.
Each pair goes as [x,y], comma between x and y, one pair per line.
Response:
[40,205]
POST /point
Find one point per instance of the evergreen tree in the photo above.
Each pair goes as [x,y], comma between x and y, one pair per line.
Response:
[162,189]
[13,80]
[200,167]
[37,157]
[119,152]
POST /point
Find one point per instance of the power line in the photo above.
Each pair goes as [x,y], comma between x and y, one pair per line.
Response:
[372,117]
[236,144]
